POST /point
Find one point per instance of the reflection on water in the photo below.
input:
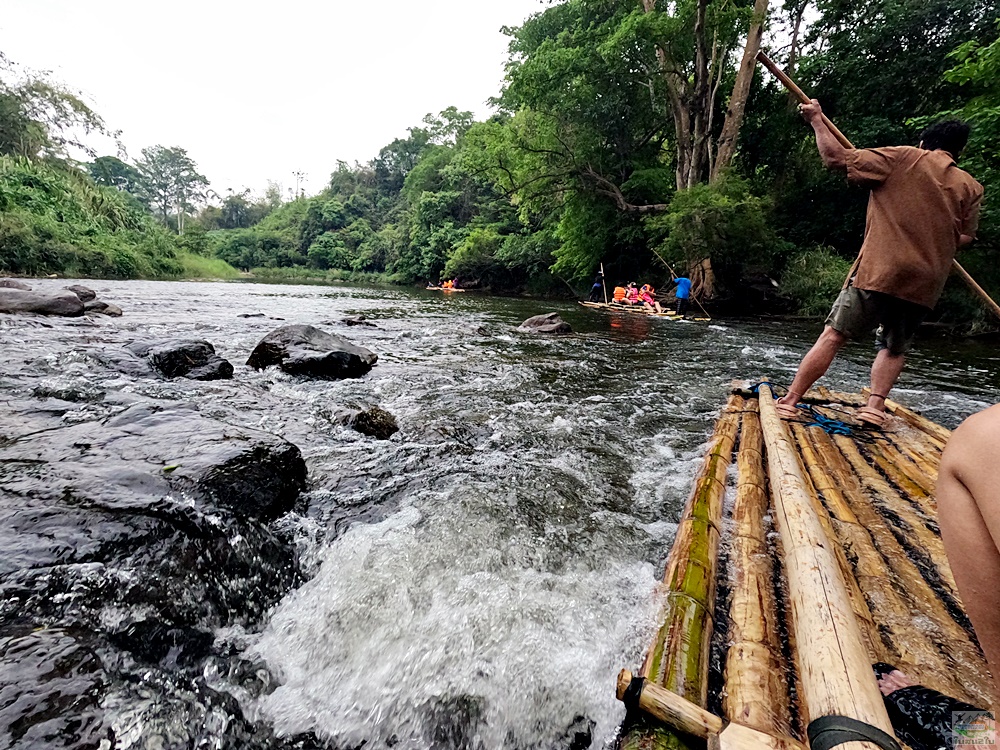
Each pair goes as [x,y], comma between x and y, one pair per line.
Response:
[478,580]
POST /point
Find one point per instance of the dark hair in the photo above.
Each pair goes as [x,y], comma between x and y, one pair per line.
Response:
[950,136]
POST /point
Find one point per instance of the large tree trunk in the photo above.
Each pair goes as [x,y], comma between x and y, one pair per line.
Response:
[741,90]
[690,102]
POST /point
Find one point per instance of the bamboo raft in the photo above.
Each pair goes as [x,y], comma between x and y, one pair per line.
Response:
[640,310]
[791,575]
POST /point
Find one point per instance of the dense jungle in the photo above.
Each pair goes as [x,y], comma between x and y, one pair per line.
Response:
[623,131]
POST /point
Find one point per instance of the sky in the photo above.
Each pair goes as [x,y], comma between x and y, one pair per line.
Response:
[256,91]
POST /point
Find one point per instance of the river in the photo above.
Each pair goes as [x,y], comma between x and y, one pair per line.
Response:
[479,579]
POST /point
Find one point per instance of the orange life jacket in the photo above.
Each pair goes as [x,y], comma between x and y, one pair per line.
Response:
[619,293]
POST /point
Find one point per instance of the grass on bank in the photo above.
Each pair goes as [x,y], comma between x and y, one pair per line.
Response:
[199,267]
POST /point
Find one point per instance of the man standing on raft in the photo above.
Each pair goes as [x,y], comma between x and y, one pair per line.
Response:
[922,209]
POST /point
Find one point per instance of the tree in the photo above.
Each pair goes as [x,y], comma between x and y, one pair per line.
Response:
[41,118]
[113,172]
[170,181]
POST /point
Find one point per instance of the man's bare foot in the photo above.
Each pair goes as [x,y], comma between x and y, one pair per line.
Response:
[893,681]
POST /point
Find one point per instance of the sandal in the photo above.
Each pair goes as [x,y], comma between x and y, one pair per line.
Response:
[871,416]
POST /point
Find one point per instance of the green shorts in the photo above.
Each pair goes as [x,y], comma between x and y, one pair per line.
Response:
[858,312]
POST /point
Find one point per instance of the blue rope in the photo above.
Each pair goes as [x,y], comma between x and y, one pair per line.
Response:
[755,388]
[829,426]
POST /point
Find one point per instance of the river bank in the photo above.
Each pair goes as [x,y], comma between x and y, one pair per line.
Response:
[476,580]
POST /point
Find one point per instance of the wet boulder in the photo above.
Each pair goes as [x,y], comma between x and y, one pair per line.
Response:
[305,350]
[85,294]
[14,284]
[194,359]
[135,538]
[100,307]
[374,422]
[357,320]
[64,303]
[547,323]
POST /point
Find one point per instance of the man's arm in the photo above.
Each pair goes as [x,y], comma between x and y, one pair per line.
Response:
[831,151]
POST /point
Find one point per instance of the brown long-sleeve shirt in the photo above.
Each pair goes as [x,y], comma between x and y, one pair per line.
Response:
[921,204]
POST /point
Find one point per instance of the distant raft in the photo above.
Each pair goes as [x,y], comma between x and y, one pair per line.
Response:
[817,558]
[442,289]
[641,310]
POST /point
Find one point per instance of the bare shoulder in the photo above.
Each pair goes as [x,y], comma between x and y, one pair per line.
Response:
[976,440]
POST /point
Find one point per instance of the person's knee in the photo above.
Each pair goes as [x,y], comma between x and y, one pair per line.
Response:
[833,338]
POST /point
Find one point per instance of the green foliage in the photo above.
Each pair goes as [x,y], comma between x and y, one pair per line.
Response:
[724,222]
[57,220]
[813,278]
[200,267]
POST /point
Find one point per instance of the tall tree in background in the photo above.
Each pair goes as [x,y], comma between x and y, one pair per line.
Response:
[170,181]
[113,172]
[41,118]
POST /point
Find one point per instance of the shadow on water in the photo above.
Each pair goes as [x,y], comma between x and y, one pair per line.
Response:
[478,580]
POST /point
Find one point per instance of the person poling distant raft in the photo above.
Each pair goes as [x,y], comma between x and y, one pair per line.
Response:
[922,209]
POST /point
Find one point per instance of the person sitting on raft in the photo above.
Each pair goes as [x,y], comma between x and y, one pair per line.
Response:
[631,294]
[647,295]
[619,296]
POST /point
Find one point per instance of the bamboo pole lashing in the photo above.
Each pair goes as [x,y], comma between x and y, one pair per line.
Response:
[901,472]
[842,139]
[835,671]
[756,689]
[952,638]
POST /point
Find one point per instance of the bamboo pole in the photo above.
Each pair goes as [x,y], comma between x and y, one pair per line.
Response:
[927,462]
[834,670]
[866,621]
[912,526]
[604,284]
[803,98]
[964,671]
[679,662]
[694,720]
[678,658]
[756,685]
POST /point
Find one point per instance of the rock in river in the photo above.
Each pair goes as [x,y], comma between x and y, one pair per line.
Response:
[547,323]
[190,358]
[304,350]
[101,307]
[374,422]
[23,301]
[86,294]
[125,544]
[14,284]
